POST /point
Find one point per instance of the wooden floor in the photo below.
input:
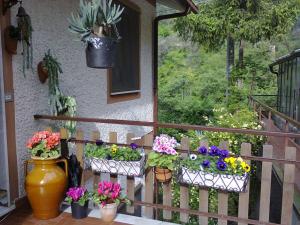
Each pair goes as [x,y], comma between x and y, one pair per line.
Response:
[24,216]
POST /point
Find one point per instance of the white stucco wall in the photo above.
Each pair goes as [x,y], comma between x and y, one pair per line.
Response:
[49,20]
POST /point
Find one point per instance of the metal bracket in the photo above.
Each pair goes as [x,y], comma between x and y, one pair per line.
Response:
[9,96]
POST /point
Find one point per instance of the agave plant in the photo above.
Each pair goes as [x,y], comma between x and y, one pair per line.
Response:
[95,17]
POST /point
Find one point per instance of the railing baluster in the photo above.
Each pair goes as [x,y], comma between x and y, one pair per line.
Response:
[203,197]
[288,187]
[130,181]
[167,199]
[184,190]
[97,176]
[223,197]
[244,197]
[113,138]
[149,181]
[79,151]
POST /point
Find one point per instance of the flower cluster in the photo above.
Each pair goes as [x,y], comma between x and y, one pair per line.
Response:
[237,164]
[165,144]
[51,139]
[74,194]
[213,151]
[108,192]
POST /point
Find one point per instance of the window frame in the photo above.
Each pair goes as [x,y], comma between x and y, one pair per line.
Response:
[114,97]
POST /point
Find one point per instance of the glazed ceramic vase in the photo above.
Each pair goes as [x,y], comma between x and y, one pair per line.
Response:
[108,212]
[162,175]
[45,186]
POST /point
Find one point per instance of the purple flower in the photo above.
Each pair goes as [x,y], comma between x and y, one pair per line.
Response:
[206,163]
[99,142]
[75,193]
[214,151]
[202,150]
[223,153]
[134,146]
[221,165]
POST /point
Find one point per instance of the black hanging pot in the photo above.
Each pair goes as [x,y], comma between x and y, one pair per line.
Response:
[78,211]
[101,52]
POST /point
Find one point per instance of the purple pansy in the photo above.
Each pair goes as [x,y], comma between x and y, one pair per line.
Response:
[223,153]
[202,150]
[206,163]
[221,165]
[76,193]
[214,151]
[134,146]
[99,142]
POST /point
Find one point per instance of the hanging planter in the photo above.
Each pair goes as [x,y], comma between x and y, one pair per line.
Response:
[98,32]
[127,161]
[42,72]
[162,175]
[11,38]
[213,168]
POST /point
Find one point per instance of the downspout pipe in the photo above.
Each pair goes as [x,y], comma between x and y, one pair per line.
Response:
[155,60]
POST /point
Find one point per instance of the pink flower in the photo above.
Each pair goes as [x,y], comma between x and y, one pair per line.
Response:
[165,144]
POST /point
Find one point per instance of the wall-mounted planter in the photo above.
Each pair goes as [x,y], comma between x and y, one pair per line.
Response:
[162,175]
[126,168]
[231,183]
[101,52]
[42,72]
[11,43]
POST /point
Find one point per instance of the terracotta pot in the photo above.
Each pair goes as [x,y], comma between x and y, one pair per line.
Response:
[108,212]
[163,175]
[42,72]
[45,186]
[11,44]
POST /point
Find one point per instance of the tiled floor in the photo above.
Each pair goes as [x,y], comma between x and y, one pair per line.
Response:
[24,216]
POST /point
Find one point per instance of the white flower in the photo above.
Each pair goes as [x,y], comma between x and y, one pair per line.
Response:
[193,156]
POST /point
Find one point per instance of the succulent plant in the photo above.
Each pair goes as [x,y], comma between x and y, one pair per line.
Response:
[95,17]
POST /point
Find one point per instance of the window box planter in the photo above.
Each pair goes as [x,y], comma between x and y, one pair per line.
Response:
[126,168]
[224,182]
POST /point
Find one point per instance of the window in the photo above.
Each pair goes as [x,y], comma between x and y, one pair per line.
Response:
[124,77]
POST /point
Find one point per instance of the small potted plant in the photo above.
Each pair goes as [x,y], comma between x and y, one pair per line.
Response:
[78,197]
[215,168]
[108,196]
[162,157]
[95,23]
[113,159]
[11,37]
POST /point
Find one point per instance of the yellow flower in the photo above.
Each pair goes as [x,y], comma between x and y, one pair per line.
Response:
[239,159]
[245,167]
[114,149]
[231,160]
[226,160]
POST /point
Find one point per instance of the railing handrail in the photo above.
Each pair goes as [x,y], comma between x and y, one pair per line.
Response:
[274,111]
[169,125]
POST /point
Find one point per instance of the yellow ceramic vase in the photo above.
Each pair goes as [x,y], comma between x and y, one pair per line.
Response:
[45,186]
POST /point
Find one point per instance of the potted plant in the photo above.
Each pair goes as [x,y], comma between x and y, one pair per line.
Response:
[162,157]
[78,197]
[215,168]
[95,23]
[46,181]
[108,197]
[127,161]
[11,37]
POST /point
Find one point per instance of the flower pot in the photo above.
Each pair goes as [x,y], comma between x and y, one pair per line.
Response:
[108,212]
[101,52]
[78,211]
[45,186]
[163,175]
[11,44]
[42,72]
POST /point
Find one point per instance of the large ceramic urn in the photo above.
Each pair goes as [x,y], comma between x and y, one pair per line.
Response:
[45,186]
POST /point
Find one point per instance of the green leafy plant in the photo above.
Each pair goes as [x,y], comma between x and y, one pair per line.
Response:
[113,152]
[95,18]
[156,159]
[78,195]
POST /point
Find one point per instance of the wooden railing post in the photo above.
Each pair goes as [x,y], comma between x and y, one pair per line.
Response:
[265,190]
[130,181]
[167,199]
[113,138]
[149,181]
[244,197]
[184,191]
[97,176]
[288,187]
[79,152]
[203,197]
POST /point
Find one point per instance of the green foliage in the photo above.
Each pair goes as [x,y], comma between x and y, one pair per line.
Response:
[248,20]
[82,200]
[161,160]
[95,17]
[40,150]
[112,152]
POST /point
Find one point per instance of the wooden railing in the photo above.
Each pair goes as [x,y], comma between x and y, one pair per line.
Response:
[150,203]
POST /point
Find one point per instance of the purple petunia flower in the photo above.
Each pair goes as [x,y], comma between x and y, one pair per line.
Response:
[206,163]
[99,142]
[76,193]
[202,150]
[223,153]
[134,146]
[221,165]
[214,151]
